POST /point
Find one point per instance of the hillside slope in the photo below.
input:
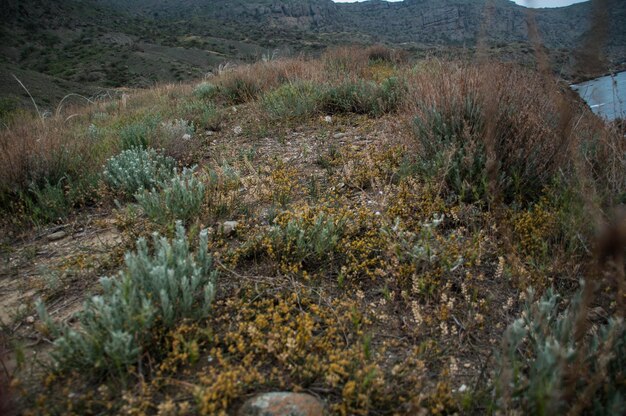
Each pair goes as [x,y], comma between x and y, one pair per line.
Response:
[113,43]
[386,237]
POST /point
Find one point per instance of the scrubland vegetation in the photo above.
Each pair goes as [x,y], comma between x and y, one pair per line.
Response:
[411,238]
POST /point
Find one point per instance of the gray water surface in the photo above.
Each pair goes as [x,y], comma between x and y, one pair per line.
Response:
[605,95]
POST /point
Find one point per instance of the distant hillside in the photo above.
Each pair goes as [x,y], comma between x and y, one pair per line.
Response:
[113,43]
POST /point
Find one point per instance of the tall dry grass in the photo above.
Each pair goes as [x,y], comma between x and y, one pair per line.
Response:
[32,152]
[526,127]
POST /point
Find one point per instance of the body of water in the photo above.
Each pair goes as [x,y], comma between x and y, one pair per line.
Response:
[605,95]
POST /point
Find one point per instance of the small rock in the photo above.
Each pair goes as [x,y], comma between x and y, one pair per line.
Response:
[187,136]
[210,133]
[282,404]
[338,136]
[30,320]
[328,119]
[57,236]
[229,227]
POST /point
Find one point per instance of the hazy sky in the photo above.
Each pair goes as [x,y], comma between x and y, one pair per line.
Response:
[528,3]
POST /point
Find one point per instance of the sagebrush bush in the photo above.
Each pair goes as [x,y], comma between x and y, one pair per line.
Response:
[549,366]
[307,242]
[136,169]
[481,136]
[292,100]
[157,290]
[391,93]
[449,145]
[179,198]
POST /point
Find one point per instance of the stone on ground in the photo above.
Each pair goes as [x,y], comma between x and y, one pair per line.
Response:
[282,404]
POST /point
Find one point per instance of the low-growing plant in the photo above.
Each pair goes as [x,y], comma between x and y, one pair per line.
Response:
[306,242]
[94,132]
[154,292]
[137,169]
[180,198]
[177,129]
[47,203]
[223,190]
[50,202]
[392,92]
[548,366]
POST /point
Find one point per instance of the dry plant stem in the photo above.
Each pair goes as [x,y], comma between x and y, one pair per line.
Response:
[609,265]
[31,98]
[583,401]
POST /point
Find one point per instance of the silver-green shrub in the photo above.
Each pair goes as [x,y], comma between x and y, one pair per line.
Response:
[140,133]
[180,198]
[309,243]
[156,290]
[205,91]
[136,169]
[557,363]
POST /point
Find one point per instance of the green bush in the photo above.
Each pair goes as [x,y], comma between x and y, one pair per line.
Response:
[449,144]
[554,363]
[205,115]
[180,198]
[292,100]
[47,203]
[350,97]
[205,91]
[364,97]
[239,88]
[154,292]
[137,169]
[52,202]
[391,94]
[307,242]
[139,134]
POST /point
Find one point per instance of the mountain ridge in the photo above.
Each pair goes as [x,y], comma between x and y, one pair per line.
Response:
[113,43]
